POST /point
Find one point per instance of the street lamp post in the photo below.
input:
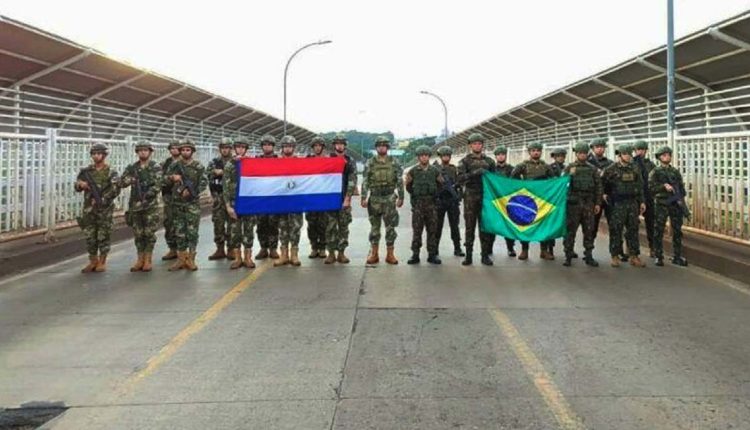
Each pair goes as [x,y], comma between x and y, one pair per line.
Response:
[670,74]
[445,110]
[286,71]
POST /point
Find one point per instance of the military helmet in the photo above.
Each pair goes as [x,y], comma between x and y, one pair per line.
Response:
[559,151]
[475,137]
[225,142]
[240,141]
[663,150]
[423,150]
[268,139]
[288,140]
[641,144]
[581,147]
[445,150]
[624,149]
[339,138]
[144,144]
[534,145]
[174,143]
[318,140]
[500,149]
[382,140]
[99,147]
[602,141]
[187,143]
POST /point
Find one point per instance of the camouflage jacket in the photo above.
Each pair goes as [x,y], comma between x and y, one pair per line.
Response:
[194,180]
[230,181]
[623,182]
[661,176]
[533,169]
[450,177]
[557,168]
[470,171]
[166,188]
[599,163]
[145,182]
[645,166]
[504,169]
[376,177]
[585,183]
[106,183]
[349,178]
[214,180]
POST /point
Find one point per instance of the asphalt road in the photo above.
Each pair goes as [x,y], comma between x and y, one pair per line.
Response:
[521,345]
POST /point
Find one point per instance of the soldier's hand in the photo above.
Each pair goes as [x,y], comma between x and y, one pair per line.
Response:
[605,198]
[231,212]
[218,172]
[399,203]
[186,193]
[176,178]
[597,209]
[643,208]
[364,202]
[347,202]
[83,185]
[669,188]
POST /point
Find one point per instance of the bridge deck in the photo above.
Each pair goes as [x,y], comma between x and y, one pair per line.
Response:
[519,345]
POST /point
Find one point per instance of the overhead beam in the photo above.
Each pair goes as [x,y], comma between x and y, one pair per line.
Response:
[52,68]
[719,35]
[147,104]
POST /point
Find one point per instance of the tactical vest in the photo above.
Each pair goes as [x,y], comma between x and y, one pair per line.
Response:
[665,175]
[449,171]
[166,190]
[625,183]
[536,170]
[472,163]
[382,176]
[582,182]
[424,182]
[504,170]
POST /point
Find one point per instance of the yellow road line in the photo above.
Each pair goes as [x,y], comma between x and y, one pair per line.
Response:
[566,418]
[194,327]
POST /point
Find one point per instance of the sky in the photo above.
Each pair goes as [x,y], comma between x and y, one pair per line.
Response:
[481,57]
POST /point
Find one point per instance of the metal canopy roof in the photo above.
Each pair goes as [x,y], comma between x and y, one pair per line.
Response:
[708,61]
[43,63]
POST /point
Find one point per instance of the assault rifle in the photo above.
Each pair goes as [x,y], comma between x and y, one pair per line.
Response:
[215,185]
[186,183]
[678,198]
[96,193]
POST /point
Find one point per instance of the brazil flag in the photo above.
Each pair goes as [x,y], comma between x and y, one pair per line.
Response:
[531,211]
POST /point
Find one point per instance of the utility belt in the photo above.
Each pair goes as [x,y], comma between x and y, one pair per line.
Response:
[621,198]
[381,192]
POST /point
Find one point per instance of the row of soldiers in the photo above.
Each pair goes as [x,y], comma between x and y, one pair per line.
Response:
[622,190]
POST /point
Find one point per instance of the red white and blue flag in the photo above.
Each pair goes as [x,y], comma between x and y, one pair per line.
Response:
[289,185]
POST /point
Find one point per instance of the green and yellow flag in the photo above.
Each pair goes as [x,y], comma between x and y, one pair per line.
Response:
[531,211]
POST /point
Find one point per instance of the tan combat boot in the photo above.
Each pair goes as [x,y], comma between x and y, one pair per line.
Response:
[343,258]
[273,254]
[237,261]
[615,261]
[230,254]
[101,266]
[294,257]
[524,254]
[283,258]
[390,258]
[147,265]
[219,254]
[93,260]
[262,254]
[190,261]
[373,258]
[248,262]
[171,255]
[180,263]
[635,261]
[138,266]
[331,258]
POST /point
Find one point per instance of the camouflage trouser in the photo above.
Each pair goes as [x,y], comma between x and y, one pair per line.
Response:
[624,216]
[453,215]
[648,218]
[472,219]
[169,235]
[187,219]
[97,229]
[382,208]
[220,219]
[337,229]
[607,212]
[316,229]
[579,214]
[144,224]
[661,213]
[290,226]
[424,217]
[268,231]
[241,232]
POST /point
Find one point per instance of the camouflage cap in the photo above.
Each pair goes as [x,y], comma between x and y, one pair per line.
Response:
[288,141]
[144,144]
[174,143]
[602,141]
[624,149]
[267,139]
[534,145]
[500,149]
[339,138]
[641,144]
[382,140]
[475,137]
[581,147]
[241,141]
[318,140]
[663,150]
[225,142]
[445,150]
[187,143]
[558,151]
[99,148]
[423,150]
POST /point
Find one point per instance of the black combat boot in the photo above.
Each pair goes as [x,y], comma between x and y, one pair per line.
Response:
[468,259]
[575,255]
[589,260]
[414,258]
[659,261]
[486,260]
[457,251]
[434,259]
[679,261]
[568,260]
[624,257]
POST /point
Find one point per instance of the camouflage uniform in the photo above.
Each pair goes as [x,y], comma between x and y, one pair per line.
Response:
[143,207]
[505,170]
[290,224]
[240,229]
[96,219]
[624,188]
[166,196]
[317,221]
[645,165]
[337,222]
[601,164]
[382,177]
[557,170]
[667,207]
[187,210]
[268,228]
[219,215]
[423,183]
[470,171]
[584,194]
[449,197]
[534,170]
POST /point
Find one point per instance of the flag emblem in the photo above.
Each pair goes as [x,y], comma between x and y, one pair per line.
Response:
[523,209]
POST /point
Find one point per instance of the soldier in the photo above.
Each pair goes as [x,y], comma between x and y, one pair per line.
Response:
[584,201]
[219,215]
[470,171]
[166,196]
[536,169]
[558,165]
[240,226]
[646,166]
[144,177]
[449,198]
[268,225]
[290,224]
[316,221]
[601,162]
[623,191]
[382,177]
[666,185]
[503,168]
[187,177]
[423,183]
[337,227]
[98,183]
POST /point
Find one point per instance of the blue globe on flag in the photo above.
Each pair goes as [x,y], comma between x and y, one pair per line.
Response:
[522,209]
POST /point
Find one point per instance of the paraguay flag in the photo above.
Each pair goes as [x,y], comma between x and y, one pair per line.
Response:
[289,185]
[531,211]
